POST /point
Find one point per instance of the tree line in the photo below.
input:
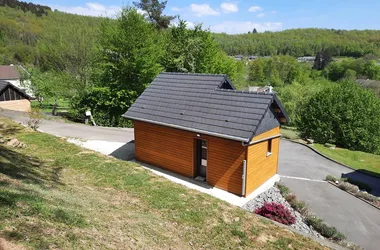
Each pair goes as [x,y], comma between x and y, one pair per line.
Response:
[36,9]
[302,42]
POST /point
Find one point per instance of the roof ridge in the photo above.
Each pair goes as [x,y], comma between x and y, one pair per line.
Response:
[244,91]
[197,74]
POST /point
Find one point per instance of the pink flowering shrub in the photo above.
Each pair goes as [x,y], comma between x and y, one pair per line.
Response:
[276,212]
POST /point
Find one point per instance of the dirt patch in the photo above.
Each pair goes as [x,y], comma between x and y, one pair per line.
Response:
[6,245]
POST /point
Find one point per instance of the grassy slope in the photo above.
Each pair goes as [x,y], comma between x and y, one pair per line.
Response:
[354,159]
[56,195]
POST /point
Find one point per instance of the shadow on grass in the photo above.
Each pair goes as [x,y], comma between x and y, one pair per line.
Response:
[28,169]
[125,152]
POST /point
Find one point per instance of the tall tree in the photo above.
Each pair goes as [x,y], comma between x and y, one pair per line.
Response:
[322,59]
[254,31]
[195,51]
[154,10]
[130,60]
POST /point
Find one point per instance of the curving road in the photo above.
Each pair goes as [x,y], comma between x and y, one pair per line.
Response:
[303,170]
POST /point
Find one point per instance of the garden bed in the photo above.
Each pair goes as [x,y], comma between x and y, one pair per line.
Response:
[304,222]
[355,188]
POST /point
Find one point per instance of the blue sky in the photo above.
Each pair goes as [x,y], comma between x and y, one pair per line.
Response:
[242,16]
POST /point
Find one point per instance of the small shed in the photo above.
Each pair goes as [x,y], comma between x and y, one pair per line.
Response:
[200,126]
[13,98]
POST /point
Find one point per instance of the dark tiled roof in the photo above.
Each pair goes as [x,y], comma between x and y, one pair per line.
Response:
[207,104]
[9,72]
[4,85]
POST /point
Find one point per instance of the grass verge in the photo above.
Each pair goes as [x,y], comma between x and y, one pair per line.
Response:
[55,195]
[365,162]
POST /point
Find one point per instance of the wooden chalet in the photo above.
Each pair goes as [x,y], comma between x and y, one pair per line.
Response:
[199,126]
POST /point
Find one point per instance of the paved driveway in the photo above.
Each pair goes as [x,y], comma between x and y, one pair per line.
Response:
[303,172]
[300,161]
[75,130]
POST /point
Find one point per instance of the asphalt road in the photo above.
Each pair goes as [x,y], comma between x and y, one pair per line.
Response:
[303,170]
[299,161]
[75,130]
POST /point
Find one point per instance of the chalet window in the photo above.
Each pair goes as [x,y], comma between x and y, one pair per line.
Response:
[269,150]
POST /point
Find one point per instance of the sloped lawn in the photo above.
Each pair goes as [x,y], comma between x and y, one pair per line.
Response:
[56,195]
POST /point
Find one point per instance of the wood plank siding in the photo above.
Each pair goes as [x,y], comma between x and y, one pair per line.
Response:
[18,105]
[174,150]
[261,167]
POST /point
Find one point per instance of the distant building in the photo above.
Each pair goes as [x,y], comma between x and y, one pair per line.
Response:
[260,89]
[13,98]
[306,59]
[13,75]
[252,58]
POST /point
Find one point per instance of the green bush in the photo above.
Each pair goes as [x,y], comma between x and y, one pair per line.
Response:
[331,178]
[367,197]
[106,106]
[325,230]
[345,115]
[361,185]
[348,187]
[284,190]
[297,205]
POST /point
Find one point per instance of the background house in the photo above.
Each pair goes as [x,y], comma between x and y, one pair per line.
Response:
[13,98]
[199,126]
[17,76]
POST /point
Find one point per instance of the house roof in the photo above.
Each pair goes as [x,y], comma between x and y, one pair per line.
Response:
[206,104]
[9,72]
[5,84]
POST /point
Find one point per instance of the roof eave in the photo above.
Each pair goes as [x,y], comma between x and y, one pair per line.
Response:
[229,137]
[275,98]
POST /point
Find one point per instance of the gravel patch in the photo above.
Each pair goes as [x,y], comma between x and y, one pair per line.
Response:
[273,195]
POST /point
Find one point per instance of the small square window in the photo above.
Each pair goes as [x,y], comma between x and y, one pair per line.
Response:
[269,150]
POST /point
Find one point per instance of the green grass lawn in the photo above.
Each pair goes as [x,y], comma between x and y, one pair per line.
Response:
[47,105]
[354,159]
[55,195]
[289,133]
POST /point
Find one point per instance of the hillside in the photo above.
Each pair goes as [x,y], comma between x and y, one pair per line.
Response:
[78,199]
[302,42]
[24,35]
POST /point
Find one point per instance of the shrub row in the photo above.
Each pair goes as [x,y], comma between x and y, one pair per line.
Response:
[361,185]
[348,185]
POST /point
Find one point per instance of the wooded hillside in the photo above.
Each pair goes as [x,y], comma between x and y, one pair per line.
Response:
[302,42]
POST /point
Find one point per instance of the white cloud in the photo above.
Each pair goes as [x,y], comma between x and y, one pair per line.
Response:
[261,15]
[244,27]
[203,10]
[229,7]
[189,25]
[255,8]
[90,9]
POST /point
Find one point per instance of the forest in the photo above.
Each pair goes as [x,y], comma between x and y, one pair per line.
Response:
[302,42]
[104,64]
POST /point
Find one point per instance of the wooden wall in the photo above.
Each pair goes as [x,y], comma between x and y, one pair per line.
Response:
[174,150]
[18,105]
[261,167]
